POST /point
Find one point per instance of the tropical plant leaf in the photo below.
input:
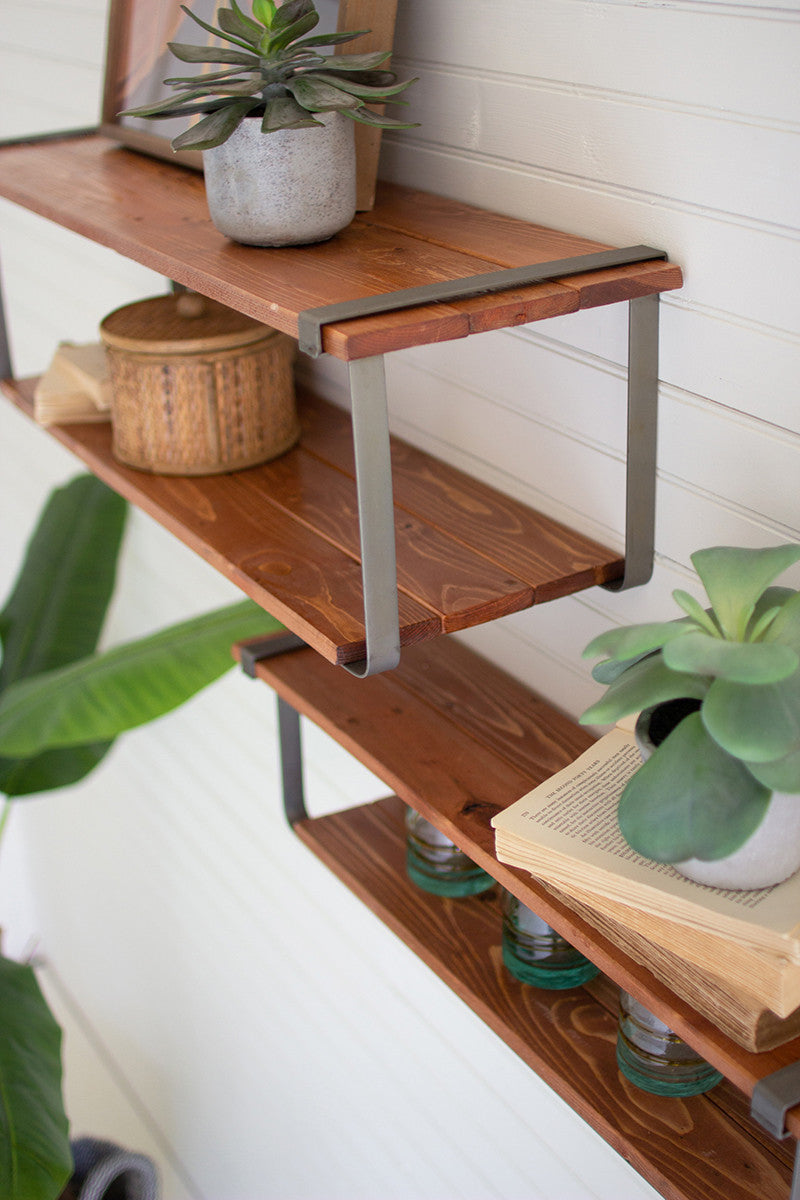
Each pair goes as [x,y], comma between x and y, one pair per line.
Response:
[690,799]
[35,1156]
[632,641]
[646,683]
[756,722]
[735,577]
[56,609]
[51,769]
[743,662]
[96,699]
[215,128]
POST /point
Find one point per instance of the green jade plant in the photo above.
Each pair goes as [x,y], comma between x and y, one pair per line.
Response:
[705,788]
[275,72]
[62,704]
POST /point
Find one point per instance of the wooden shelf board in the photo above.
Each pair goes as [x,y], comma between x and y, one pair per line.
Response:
[458,739]
[155,213]
[287,534]
[701,1147]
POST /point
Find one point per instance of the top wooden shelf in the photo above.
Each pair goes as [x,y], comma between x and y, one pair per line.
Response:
[155,213]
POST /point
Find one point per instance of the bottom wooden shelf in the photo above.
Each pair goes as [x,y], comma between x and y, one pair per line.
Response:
[701,1147]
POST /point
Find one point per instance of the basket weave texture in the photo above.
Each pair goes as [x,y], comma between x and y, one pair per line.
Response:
[197,388]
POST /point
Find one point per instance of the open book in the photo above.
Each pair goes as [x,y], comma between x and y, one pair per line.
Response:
[565,832]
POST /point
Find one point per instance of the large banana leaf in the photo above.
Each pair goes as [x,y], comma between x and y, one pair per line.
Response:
[100,697]
[56,611]
[35,1157]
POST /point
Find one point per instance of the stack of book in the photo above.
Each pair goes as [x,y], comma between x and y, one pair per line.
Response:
[75,386]
[741,946]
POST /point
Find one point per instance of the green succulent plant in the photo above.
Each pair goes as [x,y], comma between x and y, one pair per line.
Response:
[705,788]
[276,72]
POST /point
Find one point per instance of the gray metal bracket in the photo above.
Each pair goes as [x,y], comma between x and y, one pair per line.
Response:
[291,752]
[310,323]
[371,432]
[772,1098]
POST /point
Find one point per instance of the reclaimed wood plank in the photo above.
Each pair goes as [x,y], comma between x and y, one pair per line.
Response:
[689,1149]
[155,213]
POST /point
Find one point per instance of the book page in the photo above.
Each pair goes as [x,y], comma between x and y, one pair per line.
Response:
[566,830]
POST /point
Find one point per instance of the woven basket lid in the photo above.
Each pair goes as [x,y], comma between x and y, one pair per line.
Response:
[180,324]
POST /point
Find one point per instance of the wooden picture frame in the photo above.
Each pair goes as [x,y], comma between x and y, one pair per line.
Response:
[137,61]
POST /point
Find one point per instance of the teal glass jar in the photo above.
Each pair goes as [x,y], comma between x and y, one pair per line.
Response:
[534,953]
[435,864]
[654,1058]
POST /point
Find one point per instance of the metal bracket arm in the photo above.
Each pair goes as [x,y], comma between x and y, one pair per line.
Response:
[310,323]
[772,1098]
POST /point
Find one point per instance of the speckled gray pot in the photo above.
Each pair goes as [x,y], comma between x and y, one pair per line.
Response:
[286,188]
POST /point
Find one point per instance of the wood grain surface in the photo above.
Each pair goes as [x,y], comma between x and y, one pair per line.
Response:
[155,213]
[287,534]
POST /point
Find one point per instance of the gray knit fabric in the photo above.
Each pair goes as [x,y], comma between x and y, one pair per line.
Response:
[104,1171]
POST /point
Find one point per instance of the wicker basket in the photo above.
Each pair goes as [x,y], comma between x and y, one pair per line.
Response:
[197,388]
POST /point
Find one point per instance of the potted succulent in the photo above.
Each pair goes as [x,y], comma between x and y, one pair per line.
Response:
[276,129]
[62,704]
[718,693]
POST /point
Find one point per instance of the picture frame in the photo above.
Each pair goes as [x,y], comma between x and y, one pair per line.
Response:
[138,60]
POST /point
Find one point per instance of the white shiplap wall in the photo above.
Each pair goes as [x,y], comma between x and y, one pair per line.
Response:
[229,1007]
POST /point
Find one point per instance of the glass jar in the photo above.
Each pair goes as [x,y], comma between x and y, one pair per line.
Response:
[534,953]
[650,1055]
[435,864]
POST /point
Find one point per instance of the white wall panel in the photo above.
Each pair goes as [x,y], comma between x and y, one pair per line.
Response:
[247,1021]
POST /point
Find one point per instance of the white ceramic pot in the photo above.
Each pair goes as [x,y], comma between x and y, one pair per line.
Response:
[771,853]
[287,188]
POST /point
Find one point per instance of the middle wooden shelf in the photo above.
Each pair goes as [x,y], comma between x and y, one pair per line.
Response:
[287,534]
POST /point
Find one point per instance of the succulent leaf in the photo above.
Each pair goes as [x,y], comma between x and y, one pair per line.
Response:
[646,683]
[632,641]
[214,128]
[186,52]
[285,113]
[365,91]
[228,37]
[690,799]
[782,775]
[694,609]
[742,662]
[785,628]
[735,577]
[756,722]
[320,97]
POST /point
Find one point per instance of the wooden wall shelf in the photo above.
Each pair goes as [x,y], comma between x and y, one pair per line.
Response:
[286,533]
[457,739]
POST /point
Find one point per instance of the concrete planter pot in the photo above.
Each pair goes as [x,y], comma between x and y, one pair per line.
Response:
[770,855]
[288,188]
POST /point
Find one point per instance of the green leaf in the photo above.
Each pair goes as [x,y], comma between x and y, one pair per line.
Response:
[695,610]
[96,699]
[57,607]
[357,62]
[50,770]
[35,1156]
[265,12]
[782,775]
[756,722]
[290,13]
[285,113]
[215,128]
[330,39]
[227,37]
[646,683]
[280,41]
[735,577]
[212,54]
[320,97]
[785,628]
[690,799]
[233,21]
[611,668]
[742,662]
[365,116]
[632,641]
[364,91]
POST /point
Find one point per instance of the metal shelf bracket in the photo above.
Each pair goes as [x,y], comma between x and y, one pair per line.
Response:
[772,1098]
[371,431]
